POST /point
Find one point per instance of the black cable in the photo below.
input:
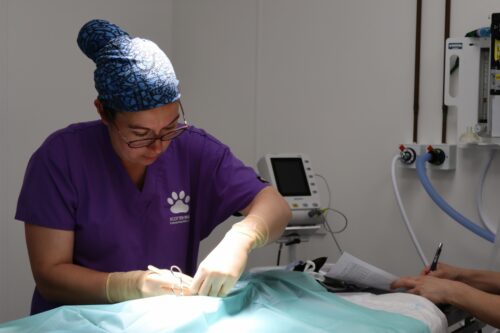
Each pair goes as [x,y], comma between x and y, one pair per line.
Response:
[293,241]
[279,254]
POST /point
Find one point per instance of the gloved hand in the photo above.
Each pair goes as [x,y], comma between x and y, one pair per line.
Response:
[219,271]
[124,286]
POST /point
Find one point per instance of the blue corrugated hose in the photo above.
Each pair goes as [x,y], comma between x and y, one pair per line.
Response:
[422,175]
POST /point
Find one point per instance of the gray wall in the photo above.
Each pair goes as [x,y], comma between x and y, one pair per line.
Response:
[332,79]
[45,84]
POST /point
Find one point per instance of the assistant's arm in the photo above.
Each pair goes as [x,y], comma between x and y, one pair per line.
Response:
[488,281]
[480,304]
[481,279]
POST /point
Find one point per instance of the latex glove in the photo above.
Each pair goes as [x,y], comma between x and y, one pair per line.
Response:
[124,286]
[221,269]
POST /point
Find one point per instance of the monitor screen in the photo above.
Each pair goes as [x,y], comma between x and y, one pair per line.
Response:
[290,176]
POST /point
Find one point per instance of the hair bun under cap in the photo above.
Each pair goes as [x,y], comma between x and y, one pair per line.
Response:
[95,35]
[132,74]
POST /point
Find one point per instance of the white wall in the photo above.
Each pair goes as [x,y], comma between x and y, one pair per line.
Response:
[4,218]
[46,82]
[333,79]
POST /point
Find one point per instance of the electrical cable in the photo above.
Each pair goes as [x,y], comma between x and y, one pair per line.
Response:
[403,211]
[485,220]
[438,200]
[328,191]
[279,254]
[330,231]
[292,240]
[346,221]
[326,210]
[324,213]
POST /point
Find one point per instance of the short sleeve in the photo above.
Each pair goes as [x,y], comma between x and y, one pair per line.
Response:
[235,185]
[47,196]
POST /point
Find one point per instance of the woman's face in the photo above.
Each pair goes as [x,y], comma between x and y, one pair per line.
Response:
[148,124]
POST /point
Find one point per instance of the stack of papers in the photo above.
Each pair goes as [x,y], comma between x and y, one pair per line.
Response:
[354,270]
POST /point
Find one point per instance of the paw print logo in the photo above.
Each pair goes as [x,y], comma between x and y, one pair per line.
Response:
[179,203]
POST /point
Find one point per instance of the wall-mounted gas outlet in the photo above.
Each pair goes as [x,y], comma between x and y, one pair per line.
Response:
[409,153]
[444,155]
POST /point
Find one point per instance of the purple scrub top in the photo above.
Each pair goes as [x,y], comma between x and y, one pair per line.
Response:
[75,181]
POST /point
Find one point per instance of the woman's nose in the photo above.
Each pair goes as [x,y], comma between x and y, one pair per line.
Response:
[156,146]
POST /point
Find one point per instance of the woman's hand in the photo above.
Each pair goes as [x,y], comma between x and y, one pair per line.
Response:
[435,289]
[124,286]
[221,269]
[443,271]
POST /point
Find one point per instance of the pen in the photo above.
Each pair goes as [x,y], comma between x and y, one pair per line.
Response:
[436,258]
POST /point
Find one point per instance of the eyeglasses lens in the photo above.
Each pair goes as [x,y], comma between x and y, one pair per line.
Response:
[166,137]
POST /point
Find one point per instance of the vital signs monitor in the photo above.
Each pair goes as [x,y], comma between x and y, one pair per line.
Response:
[293,176]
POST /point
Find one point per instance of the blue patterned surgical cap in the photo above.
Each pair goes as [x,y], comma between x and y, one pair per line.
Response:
[132,74]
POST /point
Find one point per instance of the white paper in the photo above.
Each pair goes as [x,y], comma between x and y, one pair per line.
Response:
[354,270]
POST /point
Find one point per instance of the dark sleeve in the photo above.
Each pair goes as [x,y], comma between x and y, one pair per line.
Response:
[48,197]
[233,185]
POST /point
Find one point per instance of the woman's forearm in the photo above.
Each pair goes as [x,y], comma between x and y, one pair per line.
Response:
[72,284]
[270,206]
[484,280]
[480,304]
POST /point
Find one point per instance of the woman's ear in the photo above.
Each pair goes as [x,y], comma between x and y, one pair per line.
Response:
[100,111]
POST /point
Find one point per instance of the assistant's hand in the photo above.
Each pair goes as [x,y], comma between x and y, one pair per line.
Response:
[443,271]
[221,269]
[124,286]
[435,289]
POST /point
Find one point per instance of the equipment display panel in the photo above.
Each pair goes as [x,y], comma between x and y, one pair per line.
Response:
[290,176]
[293,176]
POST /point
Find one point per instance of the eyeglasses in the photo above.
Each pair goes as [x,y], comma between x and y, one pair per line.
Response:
[168,136]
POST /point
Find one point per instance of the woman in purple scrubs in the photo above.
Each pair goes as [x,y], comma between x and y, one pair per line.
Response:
[104,199]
